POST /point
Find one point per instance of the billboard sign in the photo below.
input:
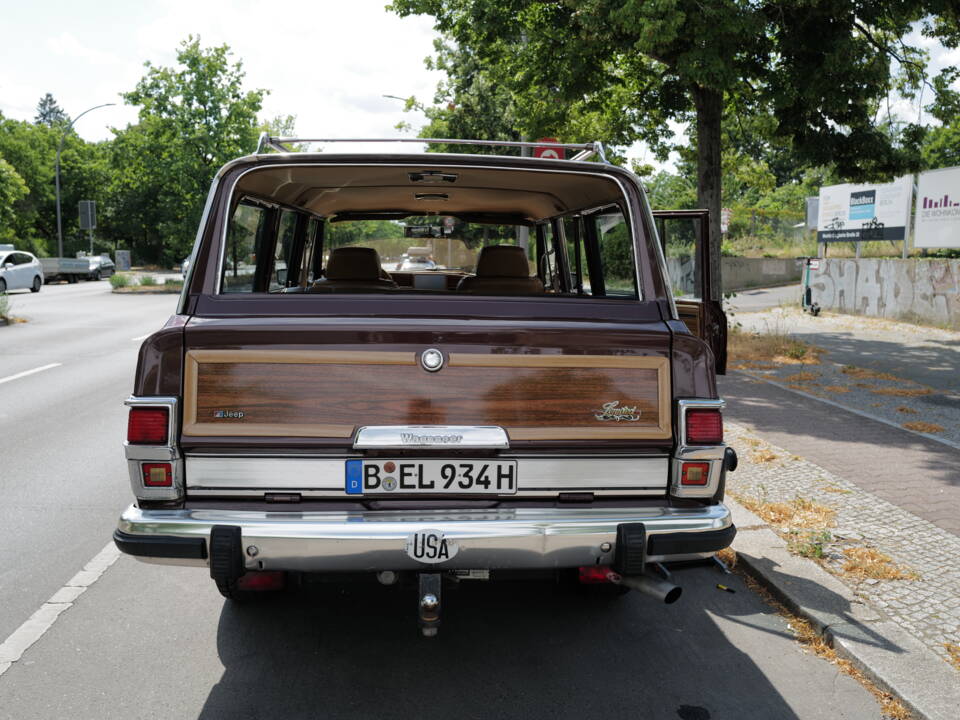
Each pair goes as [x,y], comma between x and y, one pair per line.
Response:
[850,213]
[938,209]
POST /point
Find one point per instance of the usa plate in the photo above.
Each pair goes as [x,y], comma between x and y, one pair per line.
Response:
[431,477]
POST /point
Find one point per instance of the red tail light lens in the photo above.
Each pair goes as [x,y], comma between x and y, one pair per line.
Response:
[148,426]
[157,474]
[694,473]
[704,427]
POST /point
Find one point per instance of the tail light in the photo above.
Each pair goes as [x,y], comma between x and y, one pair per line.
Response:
[148,426]
[694,473]
[704,427]
[157,474]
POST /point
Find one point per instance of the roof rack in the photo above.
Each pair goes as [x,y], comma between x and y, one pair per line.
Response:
[585,150]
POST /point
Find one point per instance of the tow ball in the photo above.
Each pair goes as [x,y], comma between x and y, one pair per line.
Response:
[428,605]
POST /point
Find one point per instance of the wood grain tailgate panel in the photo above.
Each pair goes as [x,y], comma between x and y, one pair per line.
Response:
[328,394]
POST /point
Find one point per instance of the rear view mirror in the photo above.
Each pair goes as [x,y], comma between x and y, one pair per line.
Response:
[282,276]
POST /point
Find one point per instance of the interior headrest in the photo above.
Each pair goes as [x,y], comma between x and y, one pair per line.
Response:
[353,263]
[503,261]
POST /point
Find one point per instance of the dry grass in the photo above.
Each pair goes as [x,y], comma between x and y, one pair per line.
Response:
[798,513]
[866,386]
[801,377]
[835,489]
[836,388]
[767,350]
[810,640]
[924,427]
[867,563]
[902,392]
[728,556]
[762,456]
[867,374]
[907,410]
[953,651]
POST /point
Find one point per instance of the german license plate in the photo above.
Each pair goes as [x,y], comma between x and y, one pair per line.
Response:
[475,477]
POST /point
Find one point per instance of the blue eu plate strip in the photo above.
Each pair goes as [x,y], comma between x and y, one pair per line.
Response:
[354,484]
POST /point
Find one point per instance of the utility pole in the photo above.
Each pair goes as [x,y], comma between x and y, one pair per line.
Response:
[57,174]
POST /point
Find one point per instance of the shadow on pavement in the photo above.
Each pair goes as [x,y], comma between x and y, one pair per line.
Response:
[896,465]
[511,650]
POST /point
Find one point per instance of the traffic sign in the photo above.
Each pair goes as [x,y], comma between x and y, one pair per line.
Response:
[88,214]
[547,152]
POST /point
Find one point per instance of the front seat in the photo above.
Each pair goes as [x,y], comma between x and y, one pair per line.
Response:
[502,270]
[353,269]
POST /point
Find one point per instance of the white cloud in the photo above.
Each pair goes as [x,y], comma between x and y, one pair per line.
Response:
[328,63]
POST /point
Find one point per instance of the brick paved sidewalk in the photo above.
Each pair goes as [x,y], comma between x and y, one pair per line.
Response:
[915,474]
[929,604]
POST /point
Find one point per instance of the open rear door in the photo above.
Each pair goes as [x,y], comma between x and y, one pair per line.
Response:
[684,235]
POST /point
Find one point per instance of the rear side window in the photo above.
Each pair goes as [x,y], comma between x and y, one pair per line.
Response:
[616,253]
[245,237]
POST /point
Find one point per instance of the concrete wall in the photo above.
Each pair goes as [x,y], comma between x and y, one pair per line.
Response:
[738,273]
[925,291]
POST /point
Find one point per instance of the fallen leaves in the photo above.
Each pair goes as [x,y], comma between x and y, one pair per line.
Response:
[924,427]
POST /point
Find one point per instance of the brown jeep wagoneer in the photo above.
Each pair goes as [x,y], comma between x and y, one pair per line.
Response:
[429,366]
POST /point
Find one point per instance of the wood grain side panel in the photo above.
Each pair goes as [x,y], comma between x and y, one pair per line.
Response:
[539,398]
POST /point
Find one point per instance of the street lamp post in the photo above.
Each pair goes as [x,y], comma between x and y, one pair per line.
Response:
[57,174]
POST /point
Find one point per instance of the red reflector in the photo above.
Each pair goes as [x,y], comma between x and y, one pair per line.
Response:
[704,427]
[594,574]
[147,426]
[269,580]
[694,473]
[157,474]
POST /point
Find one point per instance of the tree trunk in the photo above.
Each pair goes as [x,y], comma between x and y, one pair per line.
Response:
[709,105]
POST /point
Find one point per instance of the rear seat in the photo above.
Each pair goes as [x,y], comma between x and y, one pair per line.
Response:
[353,268]
[502,270]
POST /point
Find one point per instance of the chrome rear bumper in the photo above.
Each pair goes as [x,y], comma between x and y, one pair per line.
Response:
[375,540]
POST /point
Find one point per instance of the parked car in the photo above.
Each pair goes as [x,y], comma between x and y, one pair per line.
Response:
[20,270]
[339,420]
[101,266]
[185,266]
[416,263]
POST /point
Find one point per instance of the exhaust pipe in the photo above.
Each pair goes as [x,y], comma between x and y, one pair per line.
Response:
[665,592]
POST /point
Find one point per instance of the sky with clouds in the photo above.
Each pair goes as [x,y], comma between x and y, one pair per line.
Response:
[329,63]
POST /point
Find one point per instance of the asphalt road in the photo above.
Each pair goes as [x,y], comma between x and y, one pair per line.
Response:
[763,299]
[151,641]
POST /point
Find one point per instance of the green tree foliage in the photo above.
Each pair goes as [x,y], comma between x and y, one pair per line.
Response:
[819,68]
[50,113]
[12,190]
[193,118]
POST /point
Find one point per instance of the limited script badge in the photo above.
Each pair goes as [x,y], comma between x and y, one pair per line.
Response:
[615,412]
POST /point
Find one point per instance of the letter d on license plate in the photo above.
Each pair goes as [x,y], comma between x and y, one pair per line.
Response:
[430,546]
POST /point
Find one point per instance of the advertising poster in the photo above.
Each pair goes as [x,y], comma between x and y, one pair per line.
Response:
[938,209]
[851,213]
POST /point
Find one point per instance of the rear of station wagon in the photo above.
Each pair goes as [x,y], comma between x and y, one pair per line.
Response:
[428,366]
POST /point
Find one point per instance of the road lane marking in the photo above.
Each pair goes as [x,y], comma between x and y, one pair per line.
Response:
[29,372]
[20,640]
[142,337]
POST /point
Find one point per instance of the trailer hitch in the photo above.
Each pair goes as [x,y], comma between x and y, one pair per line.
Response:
[429,603]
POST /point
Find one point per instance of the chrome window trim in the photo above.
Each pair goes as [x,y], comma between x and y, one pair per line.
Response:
[222,239]
[713,454]
[138,454]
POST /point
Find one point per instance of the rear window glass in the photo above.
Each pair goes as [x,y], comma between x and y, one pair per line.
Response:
[478,231]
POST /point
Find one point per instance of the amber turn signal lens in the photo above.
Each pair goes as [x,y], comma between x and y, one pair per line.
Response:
[157,474]
[148,426]
[704,427]
[695,473]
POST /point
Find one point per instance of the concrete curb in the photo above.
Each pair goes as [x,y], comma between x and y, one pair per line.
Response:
[882,650]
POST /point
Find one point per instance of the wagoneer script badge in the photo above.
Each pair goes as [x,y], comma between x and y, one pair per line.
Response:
[613,411]
[410,438]
[430,546]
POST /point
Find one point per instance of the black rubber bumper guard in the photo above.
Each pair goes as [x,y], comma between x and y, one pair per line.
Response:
[161,546]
